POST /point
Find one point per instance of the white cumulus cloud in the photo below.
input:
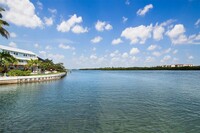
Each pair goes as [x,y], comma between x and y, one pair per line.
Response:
[66,47]
[167,51]
[117,41]
[79,29]
[115,53]
[158,32]
[149,59]
[56,57]
[177,36]
[48,21]
[166,58]
[152,47]
[65,26]
[71,24]
[102,25]
[53,11]
[156,53]
[197,23]
[124,19]
[134,51]
[48,47]
[96,39]
[40,5]
[143,11]
[137,34]
[125,55]
[176,31]
[108,27]
[21,13]
[93,57]
[134,59]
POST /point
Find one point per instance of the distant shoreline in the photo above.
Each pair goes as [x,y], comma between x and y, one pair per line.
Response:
[144,68]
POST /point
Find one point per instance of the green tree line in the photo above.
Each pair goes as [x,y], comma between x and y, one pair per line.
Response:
[146,68]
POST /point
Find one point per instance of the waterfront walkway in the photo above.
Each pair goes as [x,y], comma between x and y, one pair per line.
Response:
[25,79]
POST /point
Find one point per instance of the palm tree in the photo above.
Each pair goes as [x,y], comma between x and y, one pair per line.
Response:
[37,64]
[7,60]
[47,64]
[3,31]
[33,63]
[30,64]
[6,57]
[60,67]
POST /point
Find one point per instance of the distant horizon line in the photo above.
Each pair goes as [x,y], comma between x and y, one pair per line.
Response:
[132,66]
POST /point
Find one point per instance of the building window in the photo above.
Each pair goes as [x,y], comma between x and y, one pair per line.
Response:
[15,53]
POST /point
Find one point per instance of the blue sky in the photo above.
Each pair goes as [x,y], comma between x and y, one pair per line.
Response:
[105,33]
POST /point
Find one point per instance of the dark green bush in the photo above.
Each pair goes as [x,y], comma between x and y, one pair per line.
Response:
[19,73]
[1,69]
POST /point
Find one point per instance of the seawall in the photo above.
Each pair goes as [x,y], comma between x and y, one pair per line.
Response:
[28,79]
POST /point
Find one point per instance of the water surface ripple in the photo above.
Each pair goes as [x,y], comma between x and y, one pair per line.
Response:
[105,102]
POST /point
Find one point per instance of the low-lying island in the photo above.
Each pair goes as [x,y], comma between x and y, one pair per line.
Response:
[28,79]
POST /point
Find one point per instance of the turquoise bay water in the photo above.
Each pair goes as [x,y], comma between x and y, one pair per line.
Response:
[105,102]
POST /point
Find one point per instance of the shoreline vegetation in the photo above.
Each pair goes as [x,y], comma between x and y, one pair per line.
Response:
[8,67]
[145,68]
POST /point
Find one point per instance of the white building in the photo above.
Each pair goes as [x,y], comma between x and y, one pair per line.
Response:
[178,65]
[22,55]
[173,65]
[190,65]
[183,65]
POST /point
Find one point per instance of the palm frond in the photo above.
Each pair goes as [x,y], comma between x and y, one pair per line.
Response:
[4,32]
[2,22]
[2,9]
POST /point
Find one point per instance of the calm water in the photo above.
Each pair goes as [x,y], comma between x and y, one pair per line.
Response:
[105,102]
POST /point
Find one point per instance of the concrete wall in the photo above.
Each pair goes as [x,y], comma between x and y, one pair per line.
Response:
[27,79]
